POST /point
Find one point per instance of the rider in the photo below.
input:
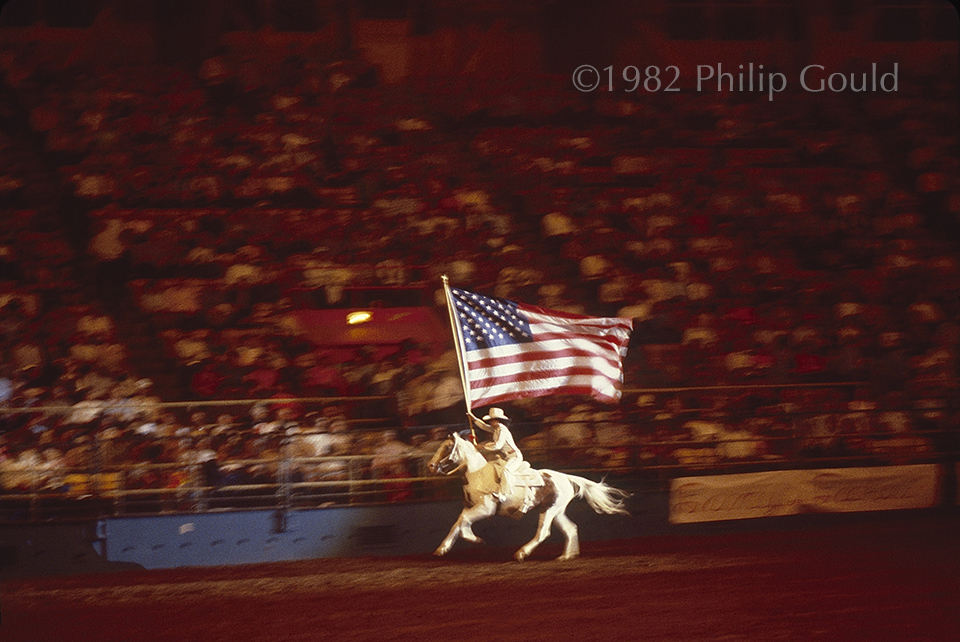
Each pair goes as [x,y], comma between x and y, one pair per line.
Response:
[503,445]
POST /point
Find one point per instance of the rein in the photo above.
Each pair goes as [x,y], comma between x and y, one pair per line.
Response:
[460,461]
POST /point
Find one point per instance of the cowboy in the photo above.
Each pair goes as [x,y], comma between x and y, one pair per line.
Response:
[502,445]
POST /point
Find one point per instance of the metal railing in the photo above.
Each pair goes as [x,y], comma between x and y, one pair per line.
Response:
[292,483]
[286,481]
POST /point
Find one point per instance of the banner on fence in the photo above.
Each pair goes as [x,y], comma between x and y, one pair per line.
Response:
[791,492]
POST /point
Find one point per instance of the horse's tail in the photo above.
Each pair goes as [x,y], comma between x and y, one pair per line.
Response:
[600,496]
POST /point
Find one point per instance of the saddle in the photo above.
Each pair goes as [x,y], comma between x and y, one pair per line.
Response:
[523,492]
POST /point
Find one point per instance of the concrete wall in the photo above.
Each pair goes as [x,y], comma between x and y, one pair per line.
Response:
[250,537]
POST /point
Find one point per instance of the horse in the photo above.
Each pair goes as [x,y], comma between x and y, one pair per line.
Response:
[457,455]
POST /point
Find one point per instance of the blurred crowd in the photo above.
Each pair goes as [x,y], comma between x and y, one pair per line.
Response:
[802,241]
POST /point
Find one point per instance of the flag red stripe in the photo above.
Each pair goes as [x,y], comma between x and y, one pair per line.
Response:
[533,375]
[542,392]
[570,318]
[477,363]
[572,336]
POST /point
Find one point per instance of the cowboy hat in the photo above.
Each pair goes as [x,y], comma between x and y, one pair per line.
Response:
[496,413]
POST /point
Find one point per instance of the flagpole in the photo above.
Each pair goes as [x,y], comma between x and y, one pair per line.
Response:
[458,342]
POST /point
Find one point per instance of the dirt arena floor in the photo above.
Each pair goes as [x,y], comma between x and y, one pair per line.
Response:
[891,578]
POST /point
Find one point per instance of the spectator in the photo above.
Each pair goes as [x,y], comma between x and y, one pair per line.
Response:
[392,459]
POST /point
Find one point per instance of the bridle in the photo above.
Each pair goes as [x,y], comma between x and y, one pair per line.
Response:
[451,463]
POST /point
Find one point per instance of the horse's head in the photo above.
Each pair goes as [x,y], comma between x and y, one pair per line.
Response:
[449,457]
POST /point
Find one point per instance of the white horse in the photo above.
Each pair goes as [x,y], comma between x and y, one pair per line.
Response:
[481,500]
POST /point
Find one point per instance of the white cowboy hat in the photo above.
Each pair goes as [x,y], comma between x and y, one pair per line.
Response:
[496,413]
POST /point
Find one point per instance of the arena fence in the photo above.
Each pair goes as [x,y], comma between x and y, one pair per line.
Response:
[117,476]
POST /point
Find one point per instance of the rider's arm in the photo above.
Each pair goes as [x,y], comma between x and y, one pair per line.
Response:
[480,423]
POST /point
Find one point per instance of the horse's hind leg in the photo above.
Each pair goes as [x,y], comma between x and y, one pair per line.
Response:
[571,549]
[543,531]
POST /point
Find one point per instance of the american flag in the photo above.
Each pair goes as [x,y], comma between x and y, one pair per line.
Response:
[513,350]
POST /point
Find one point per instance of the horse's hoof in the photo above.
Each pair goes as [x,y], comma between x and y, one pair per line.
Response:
[440,552]
[567,558]
[520,556]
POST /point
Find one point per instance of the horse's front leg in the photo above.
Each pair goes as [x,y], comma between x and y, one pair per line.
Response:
[451,537]
[463,527]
